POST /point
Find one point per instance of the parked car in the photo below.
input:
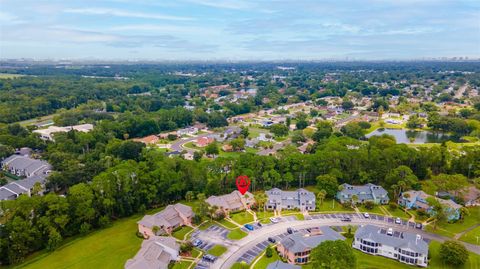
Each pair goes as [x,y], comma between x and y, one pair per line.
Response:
[390,231]
[209,258]
[197,242]
[248,227]
[289,230]
[273,220]
[398,221]
[272,240]
[347,219]
[419,226]
[259,224]
[366,215]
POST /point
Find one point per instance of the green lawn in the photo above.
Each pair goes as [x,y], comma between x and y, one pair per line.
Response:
[375,210]
[180,234]
[264,216]
[217,250]
[205,225]
[330,205]
[242,217]
[398,212]
[450,229]
[472,237]
[9,76]
[242,265]
[182,265]
[436,262]
[263,262]
[107,248]
[227,224]
[236,234]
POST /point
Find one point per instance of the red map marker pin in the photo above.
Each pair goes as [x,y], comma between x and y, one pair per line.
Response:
[243,182]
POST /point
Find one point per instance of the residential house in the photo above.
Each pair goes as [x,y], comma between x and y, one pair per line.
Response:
[155,253]
[172,217]
[367,192]
[418,200]
[296,247]
[404,247]
[227,148]
[148,140]
[204,141]
[187,131]
[232,202]
[47,134]
[470,196]
[300,199]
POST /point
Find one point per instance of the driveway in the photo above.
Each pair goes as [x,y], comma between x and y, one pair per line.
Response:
[241,250]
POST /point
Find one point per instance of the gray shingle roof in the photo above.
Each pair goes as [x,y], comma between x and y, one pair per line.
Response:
[301,241]
[292,198]
[169,217]
[155,253]
[404,240]
[364,192]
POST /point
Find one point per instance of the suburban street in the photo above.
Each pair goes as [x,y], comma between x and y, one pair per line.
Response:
[256,237]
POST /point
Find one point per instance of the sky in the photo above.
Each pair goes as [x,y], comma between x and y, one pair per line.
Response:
[239,29]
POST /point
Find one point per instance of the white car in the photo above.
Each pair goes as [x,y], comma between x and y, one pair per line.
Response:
[398,221]
[273,220]
[366,215]
[390,231]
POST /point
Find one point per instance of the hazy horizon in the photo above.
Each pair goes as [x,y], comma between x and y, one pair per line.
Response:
[208,30]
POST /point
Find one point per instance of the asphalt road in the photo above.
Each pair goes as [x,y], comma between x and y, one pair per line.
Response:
[255,237]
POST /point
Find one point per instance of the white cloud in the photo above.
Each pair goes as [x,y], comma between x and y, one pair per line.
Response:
[125,13]
[9,19]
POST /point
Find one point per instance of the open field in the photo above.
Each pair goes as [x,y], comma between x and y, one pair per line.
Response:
[472,237]
[182,265]
[10,76]
[242,217]
[119,243]
[180,234]
[217,250]
[236,234]
[450,229]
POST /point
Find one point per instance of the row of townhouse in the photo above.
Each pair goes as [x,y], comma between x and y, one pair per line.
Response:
[32,171]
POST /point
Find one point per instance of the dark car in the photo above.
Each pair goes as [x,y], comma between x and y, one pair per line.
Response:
[347,219]
[197,242]
[289,230]
[271,240]
[259,224]
[209,258]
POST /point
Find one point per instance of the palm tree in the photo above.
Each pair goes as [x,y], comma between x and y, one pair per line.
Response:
[212,210]
[354,200]
[261,200]
[321,195]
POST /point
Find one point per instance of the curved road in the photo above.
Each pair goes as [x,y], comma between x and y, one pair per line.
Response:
[257,236]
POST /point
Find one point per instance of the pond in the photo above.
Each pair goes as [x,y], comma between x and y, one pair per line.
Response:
[415,137]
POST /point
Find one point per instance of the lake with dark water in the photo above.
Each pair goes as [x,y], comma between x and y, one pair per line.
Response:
[415,137]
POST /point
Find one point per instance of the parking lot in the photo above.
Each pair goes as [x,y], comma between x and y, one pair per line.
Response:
[216,234]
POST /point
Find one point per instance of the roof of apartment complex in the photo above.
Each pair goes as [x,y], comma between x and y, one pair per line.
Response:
[47,133]
[416,195]
[168,217]
[36,169]
[24,163]
[292,198]
[301,241]
[228,201]
[403,240]
[282,265]
[365,192]
[155,253]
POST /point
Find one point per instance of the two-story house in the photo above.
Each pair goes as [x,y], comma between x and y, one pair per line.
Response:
[287,200]
[368,192]
[232,202]
[165,221]
[296,247]
[404,247]
[418,200]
